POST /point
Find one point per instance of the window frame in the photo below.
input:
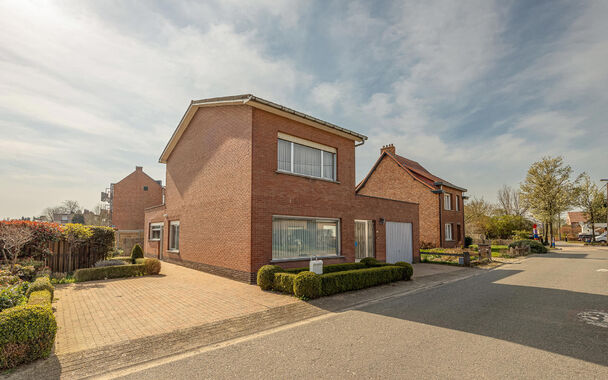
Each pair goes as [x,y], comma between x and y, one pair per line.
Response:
[338,222]
[322,149]
[155,227]
[171,246]
[447,201]
[457,202]
[451,230]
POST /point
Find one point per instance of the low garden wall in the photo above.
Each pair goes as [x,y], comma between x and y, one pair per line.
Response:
[336,278]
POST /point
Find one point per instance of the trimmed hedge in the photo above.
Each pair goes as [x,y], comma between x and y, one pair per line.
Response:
[41,283]
[123,258]
[408,271]
[339,282]
[535,246]
[307,285]
[265,277]
[92,274]
[136,253]
[283,282]
[331,268]
[369,261]
[152,266]
[27,332]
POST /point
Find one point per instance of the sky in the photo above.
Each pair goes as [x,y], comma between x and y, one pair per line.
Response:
[475,91]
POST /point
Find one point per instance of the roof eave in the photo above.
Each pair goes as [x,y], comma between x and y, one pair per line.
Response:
[439,183]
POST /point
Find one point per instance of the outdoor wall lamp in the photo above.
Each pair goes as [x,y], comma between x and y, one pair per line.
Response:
[381,220]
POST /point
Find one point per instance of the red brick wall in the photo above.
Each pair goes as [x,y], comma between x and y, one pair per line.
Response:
[454,217]
[209,189]
[130,200]
[389,180]
[283,194]
[152,248]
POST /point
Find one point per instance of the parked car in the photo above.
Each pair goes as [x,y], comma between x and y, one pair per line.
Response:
[601,238]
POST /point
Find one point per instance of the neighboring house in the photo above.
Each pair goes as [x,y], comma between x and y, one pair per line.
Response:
[62,218]
[441,203]
[250,182]
[128,200]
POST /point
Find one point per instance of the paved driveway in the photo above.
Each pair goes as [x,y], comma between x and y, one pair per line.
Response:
[100,313]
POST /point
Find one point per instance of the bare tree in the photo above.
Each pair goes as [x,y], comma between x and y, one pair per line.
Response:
[510,202]
[12,240]
[590,198]
[71,207]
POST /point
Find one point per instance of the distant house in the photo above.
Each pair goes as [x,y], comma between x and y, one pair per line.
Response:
[128,198]
[441,202]
[62,218]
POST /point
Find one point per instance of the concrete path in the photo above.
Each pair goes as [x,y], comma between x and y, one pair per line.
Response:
[545,317]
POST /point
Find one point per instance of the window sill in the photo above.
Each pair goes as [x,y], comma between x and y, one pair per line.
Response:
[306,176]
[153,239]
[305,258]
[173,250]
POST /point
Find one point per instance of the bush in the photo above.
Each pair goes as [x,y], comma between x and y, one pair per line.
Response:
[535,246]
[136,253]
[265,277]
[468,241]
[339,282]
[12,296]
[369,262]
[40,297]
[409,269]
[331,268]
[307,285]
[109,263]
[283,282]
[27,332]
[123,258]
[41,283]
[152,265]
[92,274]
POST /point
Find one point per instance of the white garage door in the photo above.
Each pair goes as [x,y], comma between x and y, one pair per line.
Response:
[398,242]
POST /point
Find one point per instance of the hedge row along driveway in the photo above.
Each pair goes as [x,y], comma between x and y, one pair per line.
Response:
[336,278]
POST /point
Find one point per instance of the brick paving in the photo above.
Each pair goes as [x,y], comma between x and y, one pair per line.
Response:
[95,314]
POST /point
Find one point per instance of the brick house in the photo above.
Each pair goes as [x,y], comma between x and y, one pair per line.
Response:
[441,203]
[250,182]
[128,199]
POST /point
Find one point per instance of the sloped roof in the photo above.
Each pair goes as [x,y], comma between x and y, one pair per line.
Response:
[576,217]
[415,170]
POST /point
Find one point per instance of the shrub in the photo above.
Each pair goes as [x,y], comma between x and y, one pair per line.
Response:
[152,265]
[27,333]
[369,262]
[109,263]
[123,258]
[409,269]
[8,279]
[40,297]
[307,285]
[331,268]
[41,283]
[92,274]
[265,277]
[535,246]
[468,241]
[12,296]
[283,282]
[339,282]
[136,253]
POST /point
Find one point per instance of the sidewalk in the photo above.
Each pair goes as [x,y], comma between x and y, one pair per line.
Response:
[100,360]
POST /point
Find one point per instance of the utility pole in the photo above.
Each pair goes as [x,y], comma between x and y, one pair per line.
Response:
[606,180]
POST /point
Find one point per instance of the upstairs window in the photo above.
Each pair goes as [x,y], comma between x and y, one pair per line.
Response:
[447,203]
[306,160]
[457,203]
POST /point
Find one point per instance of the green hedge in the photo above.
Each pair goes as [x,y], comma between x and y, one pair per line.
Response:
[123,258]
[283,282]
[307,285]
[27,332]
[331,268]
[339,282]
[265,279]
[136,253]
[41,283]
[92,274]
[535,246]
[152,265]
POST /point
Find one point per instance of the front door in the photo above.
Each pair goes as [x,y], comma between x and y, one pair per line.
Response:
[398,242]
[364,239]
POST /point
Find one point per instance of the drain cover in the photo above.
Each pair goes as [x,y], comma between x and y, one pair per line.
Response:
[594,317]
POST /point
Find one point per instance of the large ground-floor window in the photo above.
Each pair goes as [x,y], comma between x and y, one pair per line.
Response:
[294,237]
[174,236]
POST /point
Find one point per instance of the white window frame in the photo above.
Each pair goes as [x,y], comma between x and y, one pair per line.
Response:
[457,202]
[300,258]
[319,147]
[449,236]
[447,201]
[155,227]
[173,248]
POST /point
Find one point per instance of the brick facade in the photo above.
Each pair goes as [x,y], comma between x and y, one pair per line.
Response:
[389,179]
[224,188]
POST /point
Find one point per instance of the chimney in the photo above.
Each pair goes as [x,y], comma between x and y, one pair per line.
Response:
[390,148]
[139,168]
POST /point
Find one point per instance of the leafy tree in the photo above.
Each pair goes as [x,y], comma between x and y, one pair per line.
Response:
[476,214]
[506,226]
[78,218]
[590,198]
[548,190]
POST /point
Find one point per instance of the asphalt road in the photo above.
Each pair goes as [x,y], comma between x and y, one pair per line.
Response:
[519,321]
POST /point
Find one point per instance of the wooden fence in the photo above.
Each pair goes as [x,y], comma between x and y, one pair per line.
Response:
[63,259]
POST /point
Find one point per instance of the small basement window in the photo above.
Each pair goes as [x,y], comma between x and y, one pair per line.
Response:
[145,188]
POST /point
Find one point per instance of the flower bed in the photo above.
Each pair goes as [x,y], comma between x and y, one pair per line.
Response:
[27,332]
[336,278]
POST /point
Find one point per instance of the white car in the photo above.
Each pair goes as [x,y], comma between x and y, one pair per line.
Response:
[601,238]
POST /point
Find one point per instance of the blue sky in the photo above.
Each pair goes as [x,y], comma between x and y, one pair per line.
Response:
[474,90]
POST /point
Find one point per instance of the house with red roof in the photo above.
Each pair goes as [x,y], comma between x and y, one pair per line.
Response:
[441,202]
